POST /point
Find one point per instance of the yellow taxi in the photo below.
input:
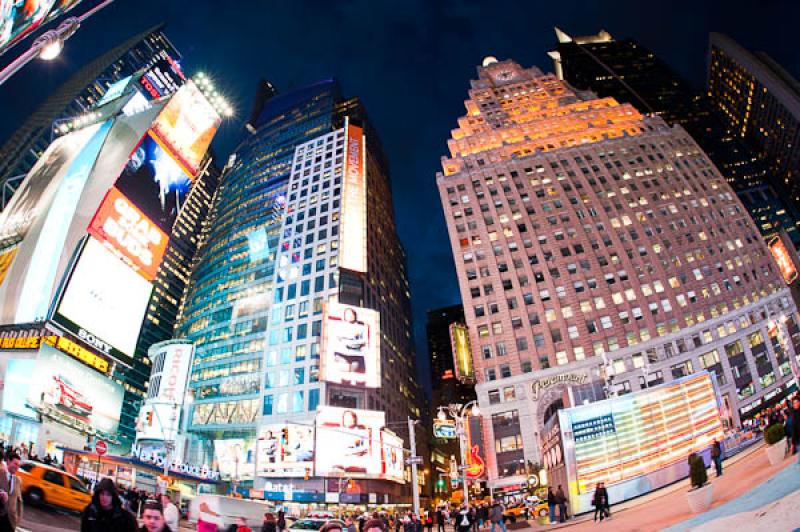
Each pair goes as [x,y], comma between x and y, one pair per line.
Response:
[43,484]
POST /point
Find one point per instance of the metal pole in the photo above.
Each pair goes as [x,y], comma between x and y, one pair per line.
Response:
[415,487]
[461,443]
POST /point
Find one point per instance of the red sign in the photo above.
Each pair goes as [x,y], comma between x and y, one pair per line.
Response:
[100,447]
[121,226]
[784,259]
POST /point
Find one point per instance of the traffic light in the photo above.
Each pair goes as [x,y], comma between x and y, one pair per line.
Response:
[150,418]
[308,473]
[285,433]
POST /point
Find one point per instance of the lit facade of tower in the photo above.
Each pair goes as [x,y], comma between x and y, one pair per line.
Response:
[273,276]
[599,251]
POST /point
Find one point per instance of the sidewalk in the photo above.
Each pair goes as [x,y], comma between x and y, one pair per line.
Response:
[668,506]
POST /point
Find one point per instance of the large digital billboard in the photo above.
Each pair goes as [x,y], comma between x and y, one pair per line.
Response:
[784,259]
[351,345]
[235,458]
[353,226]
[285,450]
[124,229]
[459,340]
[18,18]
[622,440]
[160,414]
[104,302]
[155,183]
[394,465]
[61,388]
[349,442]
[164,77]
[186,126]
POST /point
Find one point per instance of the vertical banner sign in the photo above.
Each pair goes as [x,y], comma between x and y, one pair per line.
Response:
[782,256]
[459,340]
[353,230]
[476,466]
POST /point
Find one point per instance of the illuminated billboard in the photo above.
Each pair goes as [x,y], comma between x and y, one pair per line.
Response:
[459,338]
[158,417]
[104,302]
[155,183]
[783,258]
[349,442]
[186,126]
[235,458]
[285,450]
[353,225]
[162,78]
[351,345]
[630,442]
[58,387]
[393,459]
[122,227]
[6,258]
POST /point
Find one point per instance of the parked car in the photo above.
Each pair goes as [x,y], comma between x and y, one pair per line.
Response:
[313,523]
[44,484]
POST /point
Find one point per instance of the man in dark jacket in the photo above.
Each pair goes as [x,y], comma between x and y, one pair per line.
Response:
[561,499]
[105,513]
[795,416]
[600,501]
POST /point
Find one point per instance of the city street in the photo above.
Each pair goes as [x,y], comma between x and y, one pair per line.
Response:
[48,520]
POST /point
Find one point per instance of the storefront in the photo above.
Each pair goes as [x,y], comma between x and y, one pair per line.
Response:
[134,473]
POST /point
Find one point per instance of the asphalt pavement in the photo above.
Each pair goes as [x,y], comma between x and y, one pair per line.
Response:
[47,519]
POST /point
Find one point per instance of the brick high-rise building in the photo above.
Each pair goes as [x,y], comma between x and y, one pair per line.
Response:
[597,248]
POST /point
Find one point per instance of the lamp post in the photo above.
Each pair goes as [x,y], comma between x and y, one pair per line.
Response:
[49,44]
[460,413]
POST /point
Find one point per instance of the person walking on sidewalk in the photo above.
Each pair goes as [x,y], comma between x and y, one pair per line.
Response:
[464,519]
[600,502]
[496,516]
[561,499]
[795,415]
[716,456]
[552,502]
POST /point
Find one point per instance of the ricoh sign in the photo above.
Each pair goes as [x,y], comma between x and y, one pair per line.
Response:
[174,359]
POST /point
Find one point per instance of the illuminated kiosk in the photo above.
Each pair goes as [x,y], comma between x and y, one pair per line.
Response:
[635,443]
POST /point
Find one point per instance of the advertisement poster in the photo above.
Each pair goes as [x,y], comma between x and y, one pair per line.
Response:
[351,348]
[162,78]
[20,17]
[63,389]
[122,227]
[285,450]
[638,433]
[784,259]
[459,340]
[155,183]
[235,458]
[104,302]
[349,442]
[353,226]
[393,458]
[186,126]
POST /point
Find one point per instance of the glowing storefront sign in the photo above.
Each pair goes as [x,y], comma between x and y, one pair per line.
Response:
[121,226]
[784,260]
[186,126]
[459,338]
[353,225]
[544,383]
[351,347]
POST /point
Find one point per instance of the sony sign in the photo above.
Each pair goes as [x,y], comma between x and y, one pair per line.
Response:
[564,378]
[94,341]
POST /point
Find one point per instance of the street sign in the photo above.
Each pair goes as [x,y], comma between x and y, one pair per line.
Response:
[412,460]
[445,429]
[100,447]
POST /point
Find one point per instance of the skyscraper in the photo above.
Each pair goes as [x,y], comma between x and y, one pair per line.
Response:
[760,103]
[75,97]
[630,73]
[599,251]
[292,246]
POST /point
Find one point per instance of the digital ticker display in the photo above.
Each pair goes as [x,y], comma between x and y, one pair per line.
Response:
[636,434]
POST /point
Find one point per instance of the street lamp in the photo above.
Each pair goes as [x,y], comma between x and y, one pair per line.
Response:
[48,45]
[460,413]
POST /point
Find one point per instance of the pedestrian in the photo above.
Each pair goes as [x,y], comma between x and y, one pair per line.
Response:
[351,526]
[10,494]
[561,499]
[464,519]
[171,514]
[552,503]
[374,525]
[716,456]
[281,524]
[439,519]
[600,502]
[153,519]
[795,415]
[496,516]
[474,515]
[268,524]
[105,513]
[429,521]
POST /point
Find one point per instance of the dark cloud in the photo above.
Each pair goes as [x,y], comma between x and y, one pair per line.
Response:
[410,61]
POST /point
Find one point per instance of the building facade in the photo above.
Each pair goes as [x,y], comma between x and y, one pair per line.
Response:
[279,252]
[630,73]
[75,97]
[599,251]
[760,103]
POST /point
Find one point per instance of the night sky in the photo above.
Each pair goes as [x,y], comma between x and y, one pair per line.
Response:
[410,61]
